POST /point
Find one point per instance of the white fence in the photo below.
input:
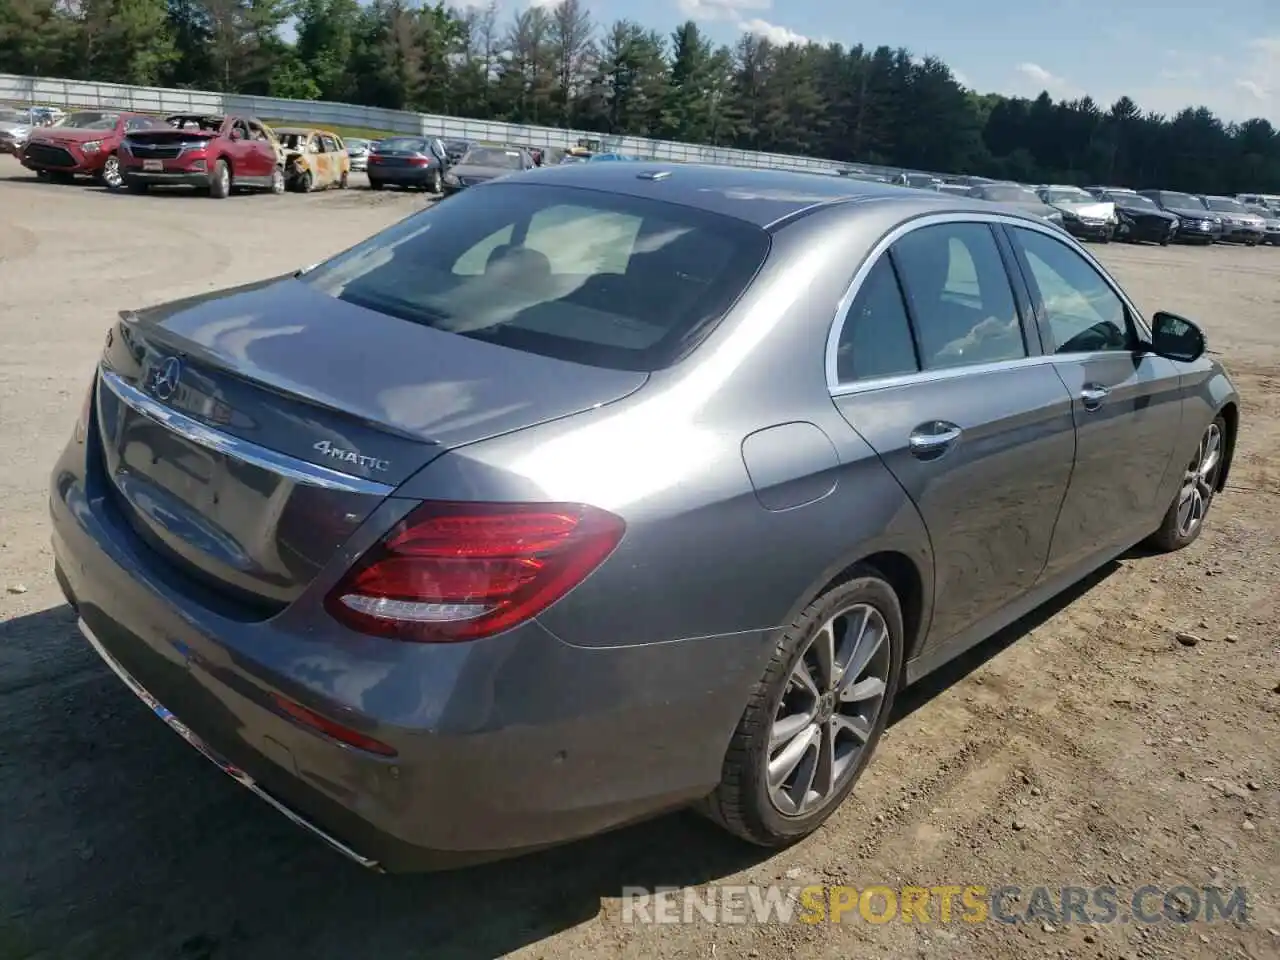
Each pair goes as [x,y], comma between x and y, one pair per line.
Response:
[75,93]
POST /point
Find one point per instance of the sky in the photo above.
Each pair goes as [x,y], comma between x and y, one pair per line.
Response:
[1164,54]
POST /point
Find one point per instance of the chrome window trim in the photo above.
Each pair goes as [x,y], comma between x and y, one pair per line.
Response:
[837,388]
[291,468]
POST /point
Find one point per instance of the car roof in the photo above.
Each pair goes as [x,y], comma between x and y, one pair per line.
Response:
[758,196]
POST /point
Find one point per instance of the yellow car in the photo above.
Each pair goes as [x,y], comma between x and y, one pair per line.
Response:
[313,159]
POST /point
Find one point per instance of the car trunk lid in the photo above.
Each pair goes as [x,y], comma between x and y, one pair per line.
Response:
[246,436]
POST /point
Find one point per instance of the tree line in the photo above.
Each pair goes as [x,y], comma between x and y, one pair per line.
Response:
[555,66]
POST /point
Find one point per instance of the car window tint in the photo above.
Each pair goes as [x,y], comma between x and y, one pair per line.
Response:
[583,275]
[960,297]
[875,340]
[1081,310]
[329,145]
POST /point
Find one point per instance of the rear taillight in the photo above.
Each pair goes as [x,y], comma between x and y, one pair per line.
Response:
[418,161]
[459,571]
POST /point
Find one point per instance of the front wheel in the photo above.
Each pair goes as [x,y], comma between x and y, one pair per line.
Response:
[306,183]
[1185,517]
[277,181]
[220,181]
[815,716]
[112,176]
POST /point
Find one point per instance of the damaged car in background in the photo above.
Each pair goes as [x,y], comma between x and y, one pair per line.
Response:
[1083,214]
[1139,218]
[1196,223]
[313,159]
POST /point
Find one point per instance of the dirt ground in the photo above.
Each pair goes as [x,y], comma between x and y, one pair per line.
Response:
[1086,746]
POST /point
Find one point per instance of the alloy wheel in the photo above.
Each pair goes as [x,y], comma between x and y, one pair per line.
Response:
[828,710]
[1198,481]
[111,174]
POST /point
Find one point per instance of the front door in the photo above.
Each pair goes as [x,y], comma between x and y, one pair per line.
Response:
[1126,403]
[936,374]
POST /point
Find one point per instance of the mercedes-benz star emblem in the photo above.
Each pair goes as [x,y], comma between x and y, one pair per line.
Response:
[164,377]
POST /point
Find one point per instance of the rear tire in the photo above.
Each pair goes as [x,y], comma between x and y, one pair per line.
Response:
[277,181]
[435,183]
[375,184]
[1185,517]
[342,182]
[756,798]
[306,183]
[220,181]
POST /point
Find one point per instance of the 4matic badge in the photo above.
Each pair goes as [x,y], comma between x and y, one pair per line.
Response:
[351,456]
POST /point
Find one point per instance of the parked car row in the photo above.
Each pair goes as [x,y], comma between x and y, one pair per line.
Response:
[1105,213]
[219,154]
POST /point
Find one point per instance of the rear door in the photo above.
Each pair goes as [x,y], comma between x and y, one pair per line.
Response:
[1126,402]
[939,371]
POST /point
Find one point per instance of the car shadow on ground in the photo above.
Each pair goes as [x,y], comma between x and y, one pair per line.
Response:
[121,826]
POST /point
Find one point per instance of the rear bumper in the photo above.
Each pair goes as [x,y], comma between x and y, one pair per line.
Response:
[504,745]
[220,762]
[383,174]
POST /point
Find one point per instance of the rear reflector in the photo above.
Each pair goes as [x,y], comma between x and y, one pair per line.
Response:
[336,731]
[459,571]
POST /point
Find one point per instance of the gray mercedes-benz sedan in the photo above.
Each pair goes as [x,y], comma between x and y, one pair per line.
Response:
[612,489]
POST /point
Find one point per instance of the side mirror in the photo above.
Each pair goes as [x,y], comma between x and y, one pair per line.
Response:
[1176,338]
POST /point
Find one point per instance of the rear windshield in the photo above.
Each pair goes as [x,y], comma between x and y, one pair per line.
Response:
[580,275]
[402,145]
[493,157]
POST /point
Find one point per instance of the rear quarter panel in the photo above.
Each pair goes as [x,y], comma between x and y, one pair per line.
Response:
[703,555]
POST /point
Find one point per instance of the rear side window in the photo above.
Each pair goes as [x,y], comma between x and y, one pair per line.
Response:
[596,278]
[875,340]
[960,297]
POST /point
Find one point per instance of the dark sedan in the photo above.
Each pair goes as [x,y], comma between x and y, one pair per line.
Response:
[482,164]
[533,515]
[1196,222]
[408,162]
[1140,218]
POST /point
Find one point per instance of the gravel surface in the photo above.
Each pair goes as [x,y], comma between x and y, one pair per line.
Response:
[1127,734]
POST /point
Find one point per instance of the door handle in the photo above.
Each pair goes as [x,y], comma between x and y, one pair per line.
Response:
[931,440]
[1092,395]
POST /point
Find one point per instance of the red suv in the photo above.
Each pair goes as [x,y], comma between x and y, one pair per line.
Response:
[84,142]
[209,153]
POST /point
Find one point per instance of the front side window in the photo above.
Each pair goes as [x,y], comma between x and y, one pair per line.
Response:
[581,275]
[1081,310]
[875,340]
[960,297]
